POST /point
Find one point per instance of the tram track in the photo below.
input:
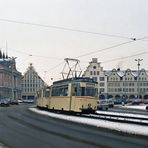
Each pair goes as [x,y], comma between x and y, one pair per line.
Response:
[118,118]
[124,118]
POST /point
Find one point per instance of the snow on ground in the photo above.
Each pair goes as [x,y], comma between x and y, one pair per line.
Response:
[140,107]
[123,127]
[122,114]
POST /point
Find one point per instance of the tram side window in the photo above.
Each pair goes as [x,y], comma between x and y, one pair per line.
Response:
[60,91]
[75,91]
[63,91]
[38,94]
[47,93]
[82,91]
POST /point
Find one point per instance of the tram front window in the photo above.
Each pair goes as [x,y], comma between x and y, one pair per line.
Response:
[90,91]
[84,91]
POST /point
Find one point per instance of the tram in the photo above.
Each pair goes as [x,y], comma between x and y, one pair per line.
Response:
[70,95]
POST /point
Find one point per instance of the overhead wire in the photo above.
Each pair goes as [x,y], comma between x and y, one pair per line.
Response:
[113,46]
[34,55]
[81,31]
[77,30]
[63,28]
[107,48]
[52,68]
[116,59]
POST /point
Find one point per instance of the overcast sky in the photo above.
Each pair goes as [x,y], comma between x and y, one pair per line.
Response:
[46,47]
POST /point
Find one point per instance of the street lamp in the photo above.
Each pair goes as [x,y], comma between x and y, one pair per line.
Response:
[138,64]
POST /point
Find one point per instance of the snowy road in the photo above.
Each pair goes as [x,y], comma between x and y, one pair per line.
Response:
[122,127]
[21,128]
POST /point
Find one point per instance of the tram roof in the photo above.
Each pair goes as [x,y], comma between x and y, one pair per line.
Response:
[77,79]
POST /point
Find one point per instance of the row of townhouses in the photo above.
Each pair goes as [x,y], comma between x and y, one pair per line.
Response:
[116,83]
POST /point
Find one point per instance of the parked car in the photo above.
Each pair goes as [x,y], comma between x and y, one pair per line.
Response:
[110,102]
[4,102]
[102,104]
[20,101]
[13,102]
[28,100]
[146,108]
[137,101]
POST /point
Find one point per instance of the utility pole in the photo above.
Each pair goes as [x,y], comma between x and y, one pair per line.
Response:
[138,64]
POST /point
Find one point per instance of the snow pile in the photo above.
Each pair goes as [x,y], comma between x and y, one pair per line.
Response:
[122,114]
[140,107]
[123,127]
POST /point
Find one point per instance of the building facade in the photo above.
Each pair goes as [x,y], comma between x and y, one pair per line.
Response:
[125,84]
[96,72]
[128,84]
[10,78]
[31,83]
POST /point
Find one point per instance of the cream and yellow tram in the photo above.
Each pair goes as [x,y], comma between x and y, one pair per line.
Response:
[74,95]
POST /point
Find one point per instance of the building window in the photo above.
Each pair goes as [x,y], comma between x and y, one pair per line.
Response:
[101,78]
[101,89]
[97,72]
[95,79]
[94,72]
[101,84]
[90,72]
[94,67]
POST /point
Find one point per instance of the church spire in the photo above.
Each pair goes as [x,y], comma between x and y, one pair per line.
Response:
[3,56]
[6,56]
[0,54]
[6,50]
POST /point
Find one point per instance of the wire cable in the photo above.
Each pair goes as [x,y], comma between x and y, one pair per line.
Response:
[63,28]
[34,55]
[114,46]
[107,48]
[116,59]
[55,66]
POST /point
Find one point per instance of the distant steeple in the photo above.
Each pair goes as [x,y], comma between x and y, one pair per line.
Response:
[6,50]
[6,56]
[0,54]
[3,55]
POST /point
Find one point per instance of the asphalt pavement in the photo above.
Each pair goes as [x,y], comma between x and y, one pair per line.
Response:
[21,128]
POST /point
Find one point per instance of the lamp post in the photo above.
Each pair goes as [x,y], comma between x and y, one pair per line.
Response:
[138,64]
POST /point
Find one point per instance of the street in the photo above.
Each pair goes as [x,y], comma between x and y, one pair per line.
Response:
[21,128]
